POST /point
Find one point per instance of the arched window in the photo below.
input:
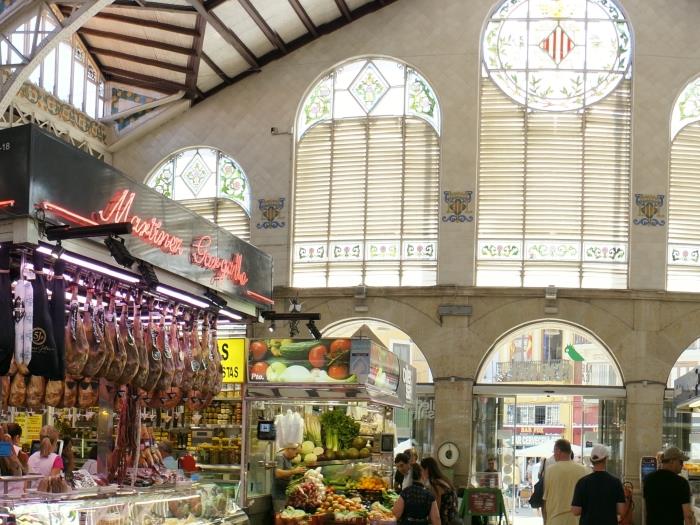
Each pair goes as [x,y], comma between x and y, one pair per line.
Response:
[208,182]
[367,178]
[683,270]
[554,145]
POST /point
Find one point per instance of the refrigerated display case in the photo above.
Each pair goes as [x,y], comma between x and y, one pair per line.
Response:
[346,385]
[198,504]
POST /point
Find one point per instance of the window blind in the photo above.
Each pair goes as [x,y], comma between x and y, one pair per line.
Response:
[553,193]
[224,213]
[366,203]
[683,273]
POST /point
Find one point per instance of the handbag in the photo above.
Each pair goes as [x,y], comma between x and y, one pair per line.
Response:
[536,501]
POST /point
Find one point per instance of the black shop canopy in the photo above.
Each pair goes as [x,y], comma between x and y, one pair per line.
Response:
[42,176]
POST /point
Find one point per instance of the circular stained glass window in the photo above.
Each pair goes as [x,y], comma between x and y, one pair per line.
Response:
[557,55]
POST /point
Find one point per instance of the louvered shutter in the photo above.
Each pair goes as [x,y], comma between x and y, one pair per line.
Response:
[553,193]
[683,219]
[365,203]
[224,213]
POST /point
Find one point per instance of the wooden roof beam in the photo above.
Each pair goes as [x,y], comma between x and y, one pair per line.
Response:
[271,35]
[304,17]
[194,61]
[220,72]
[344,9]
[113,71]
[138,59]
[137,41]
[171,28]
[229,36]
[157,6]
[158,86]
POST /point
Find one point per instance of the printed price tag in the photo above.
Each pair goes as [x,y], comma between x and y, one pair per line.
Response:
[233,359]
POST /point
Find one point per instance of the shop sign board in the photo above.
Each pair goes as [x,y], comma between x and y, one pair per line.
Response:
[483,503]
[164,232]
[232,359]
[31,426]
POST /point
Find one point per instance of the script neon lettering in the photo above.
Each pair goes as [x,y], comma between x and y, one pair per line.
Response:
[223,268]
[118,210]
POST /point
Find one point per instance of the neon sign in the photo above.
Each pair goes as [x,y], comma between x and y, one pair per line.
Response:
[148,230]
[222,268]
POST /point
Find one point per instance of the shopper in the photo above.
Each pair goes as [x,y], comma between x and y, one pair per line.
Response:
[284,471]
[91,462]
[667,495]
[45,461]
[627,516]
[402,462]
[412,455]
[598,497]
[166,452]
[416,505]
[15,432]
[68,457]
[560,480]
[442,488]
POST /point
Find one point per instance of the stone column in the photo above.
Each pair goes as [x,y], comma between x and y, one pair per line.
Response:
[643,432]
[453,421]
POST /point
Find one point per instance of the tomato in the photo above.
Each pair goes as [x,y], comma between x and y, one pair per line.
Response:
[258,371]
[338,371]
[317,356]
[338,346]
[258,350]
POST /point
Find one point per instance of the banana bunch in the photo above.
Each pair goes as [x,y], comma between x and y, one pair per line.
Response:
[312,425]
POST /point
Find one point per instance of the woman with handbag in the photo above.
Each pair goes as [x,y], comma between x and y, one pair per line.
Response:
[443,490]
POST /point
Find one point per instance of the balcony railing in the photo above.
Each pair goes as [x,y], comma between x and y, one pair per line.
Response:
[556,371]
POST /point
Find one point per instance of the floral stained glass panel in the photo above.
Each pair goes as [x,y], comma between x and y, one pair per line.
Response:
[369,87]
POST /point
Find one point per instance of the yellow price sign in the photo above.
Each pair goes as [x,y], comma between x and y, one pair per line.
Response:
[233,359]
[31,426]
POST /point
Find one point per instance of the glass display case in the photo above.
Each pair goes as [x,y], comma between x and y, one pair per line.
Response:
[198,504]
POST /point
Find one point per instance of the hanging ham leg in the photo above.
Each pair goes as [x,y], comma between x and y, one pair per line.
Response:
[95,336]
[77,351]
[186,350]
[155,352]
[131,363]
[139,338]
[116,366]
[163,340]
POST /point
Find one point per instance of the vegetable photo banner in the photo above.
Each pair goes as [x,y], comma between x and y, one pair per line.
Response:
[328,361]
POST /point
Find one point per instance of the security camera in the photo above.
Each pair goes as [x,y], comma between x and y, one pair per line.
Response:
[273,131]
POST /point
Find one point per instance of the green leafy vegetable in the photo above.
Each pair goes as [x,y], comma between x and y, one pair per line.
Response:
[339,429]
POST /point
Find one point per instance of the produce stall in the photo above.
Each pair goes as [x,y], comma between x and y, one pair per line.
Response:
[334,398]
[116,340]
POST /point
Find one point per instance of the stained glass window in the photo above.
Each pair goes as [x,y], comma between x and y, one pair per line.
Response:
[557,55]
[554,145]
[209,182]
[367,178]
[683,268]
[369,87]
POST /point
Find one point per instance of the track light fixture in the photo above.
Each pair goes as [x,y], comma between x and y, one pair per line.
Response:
[272,327]
[215,298]
[149,275]
[311,325]
[119,252]
[58,250]
[57,233]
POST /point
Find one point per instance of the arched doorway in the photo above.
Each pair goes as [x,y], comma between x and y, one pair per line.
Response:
[540,382]
[681,423]
[414,425]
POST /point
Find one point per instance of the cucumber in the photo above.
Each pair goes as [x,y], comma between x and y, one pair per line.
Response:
[298,351]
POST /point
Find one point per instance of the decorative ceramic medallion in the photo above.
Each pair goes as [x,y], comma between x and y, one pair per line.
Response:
[557,55]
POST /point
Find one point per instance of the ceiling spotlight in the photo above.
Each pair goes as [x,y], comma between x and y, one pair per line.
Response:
[215,298]
[271,328]
[118,251]
[58,250]
[313,330]
[149,274]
